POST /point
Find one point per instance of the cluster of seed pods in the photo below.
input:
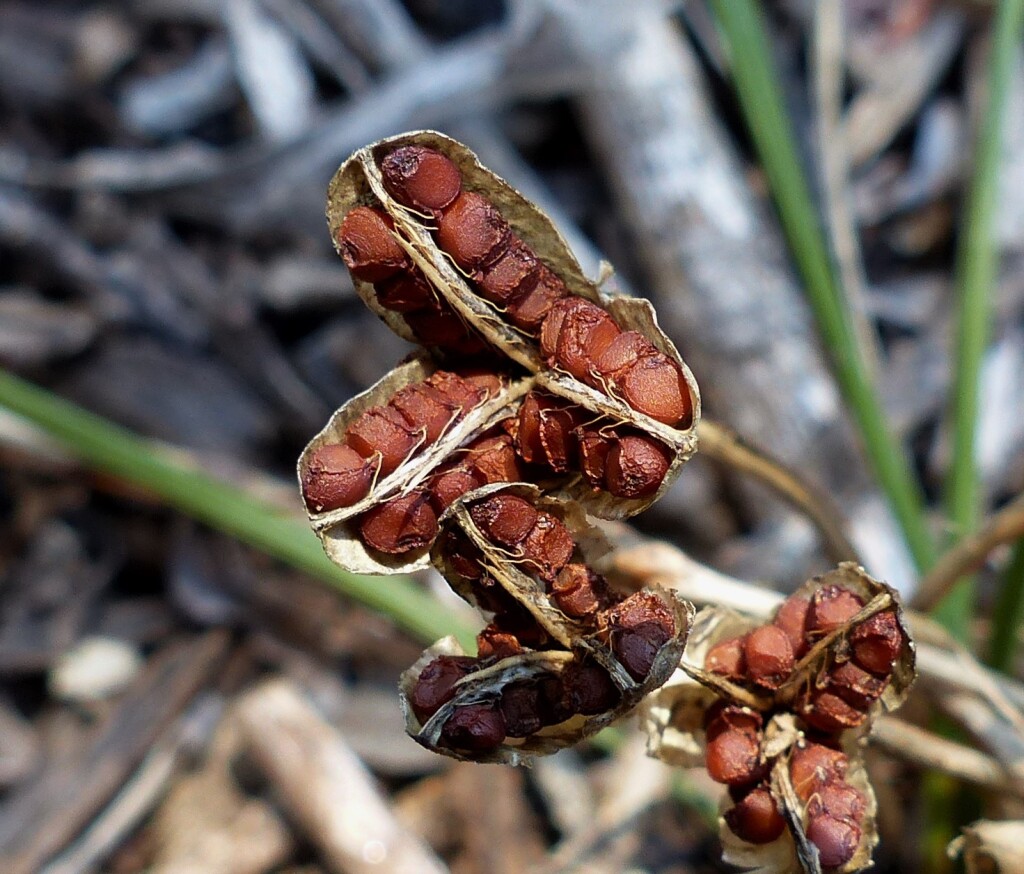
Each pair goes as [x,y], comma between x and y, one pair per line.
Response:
[536,400]
[789,698]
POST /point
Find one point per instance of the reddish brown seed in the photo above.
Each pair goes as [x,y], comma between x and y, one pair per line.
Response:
[522,707]
[733,757]
[812,765]
[877,642]
[655,387]
[472,231]
[516,619]
[421,178]
[494,642]
[336,476]
[406,292]
[443,328]
[727,658]
[529,310]
[831,607]
[723,716]
[512,276]
[547,548]
[459,392]
[636,466]
[504,519]
[478,728]
[367,245]
[493,459]
[838,799]
[451,483]
[435,684]
[837,840]
[855,686]
[640,626]
[487,382]
[383,431]
[527,429]
[579,592]
[586,331]
[462,555]
[769,656]
[424,408]
[594,447]
[624,351]
[545,432]
[552,326]
[756,818]
[791,618]
[828,712]
[400,525]
[589,689]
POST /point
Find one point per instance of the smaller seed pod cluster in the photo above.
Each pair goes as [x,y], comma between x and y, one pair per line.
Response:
[562,656]
[777,713]
[536,399]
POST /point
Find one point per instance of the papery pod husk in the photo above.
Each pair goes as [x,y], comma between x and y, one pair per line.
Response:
[792,852]
[358,182]
[340,538]
[990,847]
[591,545]
[486,685]
[834,646]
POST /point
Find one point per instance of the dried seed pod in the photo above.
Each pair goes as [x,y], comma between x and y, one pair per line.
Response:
[421,178]
[337,476]
[436,684]
[877,643]
[368,246]
[812,765]
[831,607]
[755,817]
[768,656]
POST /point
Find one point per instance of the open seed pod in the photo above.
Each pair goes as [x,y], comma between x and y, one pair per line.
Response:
[337,528]
[420,230]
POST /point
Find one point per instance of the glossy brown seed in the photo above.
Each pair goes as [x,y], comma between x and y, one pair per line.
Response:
[504,519]
[589,689]
[426,409]
[472,231]
[624,351]
[838,799]
[383,431]
[368,246]
[831,607]
[727,658]
[461,393]
[544,431]
[477,728]
[812,765]
[579,592]
[421,178]
[586,331]
[400,525]
[655,387]
[486,381]
[512,276]
[837,840]
[336,476]
[522,707]
[733,757]
[493,459]
[756,818]
[723,716]
[552,326]
[594,446]
[547,548]
[855,686]
[406,292]
[436,682]
[877,642]
[828,712]
[640,626]
[495,642]
[451,483]
[769,656]
[791,618]
[635,466]
[529,310]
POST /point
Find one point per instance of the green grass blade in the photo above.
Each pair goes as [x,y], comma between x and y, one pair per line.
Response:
[109,447]
[976,265]
[745,38]
[1009,613]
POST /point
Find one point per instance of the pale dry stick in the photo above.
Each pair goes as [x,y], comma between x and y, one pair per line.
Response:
[968,554]
[834,156]
[721,444]
[916,745]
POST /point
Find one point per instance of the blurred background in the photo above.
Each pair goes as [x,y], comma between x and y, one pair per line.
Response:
[173,701]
